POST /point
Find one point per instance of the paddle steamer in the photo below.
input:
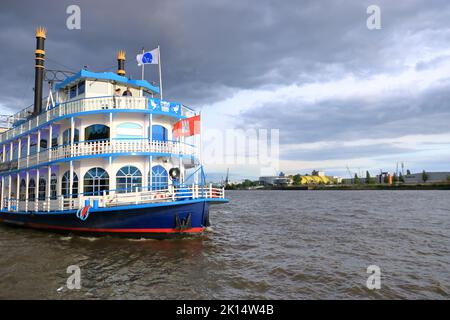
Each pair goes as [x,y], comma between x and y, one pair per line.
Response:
[88,161]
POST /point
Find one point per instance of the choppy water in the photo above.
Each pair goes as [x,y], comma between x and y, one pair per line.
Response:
[263,245]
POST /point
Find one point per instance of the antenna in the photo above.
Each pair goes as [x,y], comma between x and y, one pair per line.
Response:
[350,174]
[226,179]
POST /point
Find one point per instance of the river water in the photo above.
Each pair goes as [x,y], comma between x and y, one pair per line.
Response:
[262,245]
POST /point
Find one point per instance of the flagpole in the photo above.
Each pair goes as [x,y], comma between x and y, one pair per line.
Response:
[142,72]
[160,75]
[201,142]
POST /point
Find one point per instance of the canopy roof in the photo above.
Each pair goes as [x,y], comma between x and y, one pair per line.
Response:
[107,76]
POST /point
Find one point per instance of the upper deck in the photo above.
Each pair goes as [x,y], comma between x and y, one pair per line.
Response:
[89,92]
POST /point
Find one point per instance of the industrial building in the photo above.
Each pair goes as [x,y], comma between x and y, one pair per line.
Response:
[280,180]
[432,177]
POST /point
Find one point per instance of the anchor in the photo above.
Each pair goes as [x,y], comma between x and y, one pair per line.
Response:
[184,223]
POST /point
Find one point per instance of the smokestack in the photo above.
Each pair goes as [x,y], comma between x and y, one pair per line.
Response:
[121,63]
[39,69]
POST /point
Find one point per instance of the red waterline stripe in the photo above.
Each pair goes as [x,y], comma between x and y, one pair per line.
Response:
[152,230]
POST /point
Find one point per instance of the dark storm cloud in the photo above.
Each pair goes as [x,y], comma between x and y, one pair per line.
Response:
[352,119]
[212,49]
[206,45]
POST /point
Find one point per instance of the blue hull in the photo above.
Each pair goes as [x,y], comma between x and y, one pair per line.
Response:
[161,220]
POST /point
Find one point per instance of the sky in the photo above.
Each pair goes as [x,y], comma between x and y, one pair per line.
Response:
[343,98]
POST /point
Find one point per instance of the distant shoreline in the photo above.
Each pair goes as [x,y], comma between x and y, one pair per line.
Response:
[445,186]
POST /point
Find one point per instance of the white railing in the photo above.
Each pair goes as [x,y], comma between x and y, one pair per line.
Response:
[112,146]
[83,105]
[114,199]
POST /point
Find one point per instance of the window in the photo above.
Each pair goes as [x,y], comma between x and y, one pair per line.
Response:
[129,130]
[22,190]
[96,132]
[81,87]
[66,136]
[23,149]
[33,147]
[73,92]
[54,142]
[31,190]
[159,133]
[96,180]
[53,184]
[15,151]
[41,190]
[159,179]
[65,185]
[128,179]
[43,144]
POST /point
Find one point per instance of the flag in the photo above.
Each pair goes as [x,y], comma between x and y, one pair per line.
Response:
[187,127]
[149,57]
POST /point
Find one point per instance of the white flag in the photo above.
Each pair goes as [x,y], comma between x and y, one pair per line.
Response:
[149,57]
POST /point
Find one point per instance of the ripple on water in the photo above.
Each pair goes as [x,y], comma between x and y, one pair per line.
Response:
[264,244]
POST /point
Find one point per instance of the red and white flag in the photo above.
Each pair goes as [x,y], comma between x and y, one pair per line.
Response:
[187,127]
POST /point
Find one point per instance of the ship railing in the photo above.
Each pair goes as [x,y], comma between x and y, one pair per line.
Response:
[114,198]
[88,104]
[110,146]
[162,195]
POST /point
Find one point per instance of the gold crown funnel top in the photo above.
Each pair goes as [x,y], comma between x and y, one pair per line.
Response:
[41,32]
[121,55]
[121,63]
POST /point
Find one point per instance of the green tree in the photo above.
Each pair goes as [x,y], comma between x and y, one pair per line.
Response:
[368,178]
[425,176]
[401,178]
[356,179]
[247,183]
[296,179]
[395,178]
[408,172]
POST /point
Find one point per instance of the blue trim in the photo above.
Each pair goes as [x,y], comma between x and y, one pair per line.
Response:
[105,155]
[92,112]
[136,206]
[109,76]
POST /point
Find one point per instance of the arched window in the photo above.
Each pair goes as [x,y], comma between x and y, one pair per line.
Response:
[31,190]
[22,190]
[159,179]
[128,179]
[159,133]
[96,180]
[96,132]
[53,184]
[41,190]
[65,185]
[66,136]
[129,130]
